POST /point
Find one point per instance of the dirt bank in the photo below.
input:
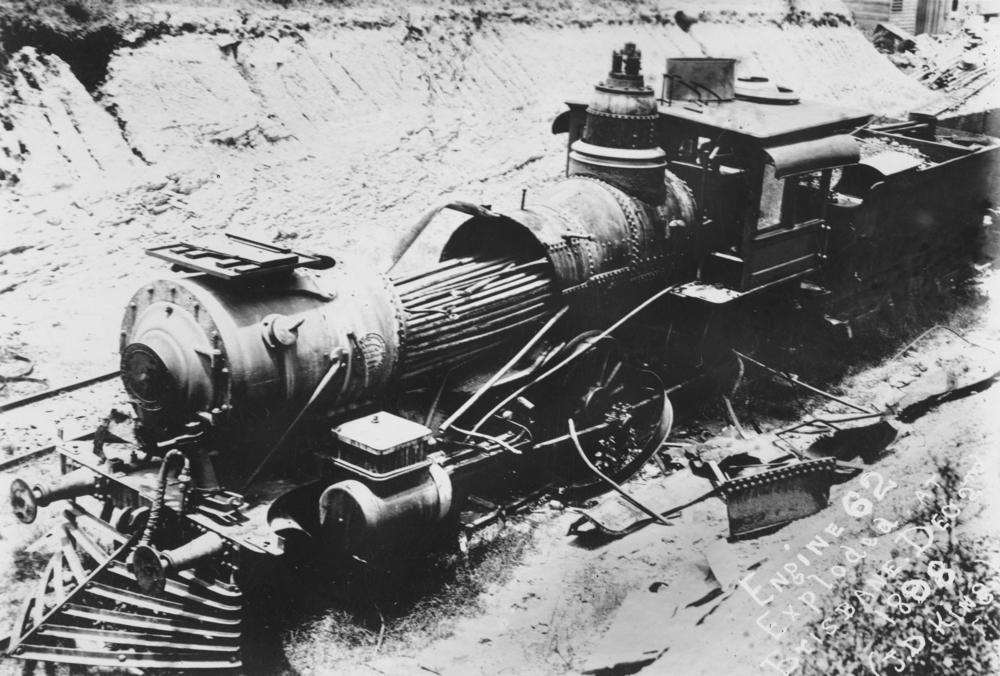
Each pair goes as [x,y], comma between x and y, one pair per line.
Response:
[326,127]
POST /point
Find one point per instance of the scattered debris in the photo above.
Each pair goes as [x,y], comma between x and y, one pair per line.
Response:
[638,504]
[760,496]
[20,248]
[868,442]
[934,329]
[889,38]
[952,61]
[724,565]
[637,635]
[764,481]
[763,501]
[871,146]
[915,410]
[959,64]
[614,516]
[14,366]
[794,380]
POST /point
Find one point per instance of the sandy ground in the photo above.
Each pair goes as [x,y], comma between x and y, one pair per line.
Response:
[333,128]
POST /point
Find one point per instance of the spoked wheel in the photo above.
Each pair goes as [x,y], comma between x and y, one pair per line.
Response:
[621,413]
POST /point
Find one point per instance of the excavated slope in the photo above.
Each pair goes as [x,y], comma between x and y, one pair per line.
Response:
[330,129]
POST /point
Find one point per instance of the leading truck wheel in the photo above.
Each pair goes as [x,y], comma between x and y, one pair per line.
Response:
[621,412]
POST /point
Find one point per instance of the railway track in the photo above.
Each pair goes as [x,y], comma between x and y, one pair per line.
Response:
[56,391]
[45,395]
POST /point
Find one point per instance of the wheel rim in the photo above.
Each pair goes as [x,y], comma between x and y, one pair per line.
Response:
[621,412]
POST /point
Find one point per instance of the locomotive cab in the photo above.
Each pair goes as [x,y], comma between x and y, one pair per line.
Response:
[765,166]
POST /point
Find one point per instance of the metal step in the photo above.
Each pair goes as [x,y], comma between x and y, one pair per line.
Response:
[126,659]
[216,596]
[193,642]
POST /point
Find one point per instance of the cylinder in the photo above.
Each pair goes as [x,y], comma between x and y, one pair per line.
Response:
[357,521]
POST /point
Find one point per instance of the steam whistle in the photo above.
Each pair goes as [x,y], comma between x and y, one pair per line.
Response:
[25,500]
[151,566]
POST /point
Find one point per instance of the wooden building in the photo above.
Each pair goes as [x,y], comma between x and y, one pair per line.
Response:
[869,13]
[919,16]
[932,15]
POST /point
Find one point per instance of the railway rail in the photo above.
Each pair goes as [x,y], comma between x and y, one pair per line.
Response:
[38,397]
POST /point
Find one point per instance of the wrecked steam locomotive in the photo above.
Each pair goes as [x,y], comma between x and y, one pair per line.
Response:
[285,398]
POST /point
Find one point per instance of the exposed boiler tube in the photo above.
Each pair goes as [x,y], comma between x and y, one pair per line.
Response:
[465,306]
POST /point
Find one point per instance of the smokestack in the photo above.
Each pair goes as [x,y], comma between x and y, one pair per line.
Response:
[619,139]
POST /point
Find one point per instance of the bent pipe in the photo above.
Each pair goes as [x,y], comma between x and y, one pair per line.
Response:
[407,240]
